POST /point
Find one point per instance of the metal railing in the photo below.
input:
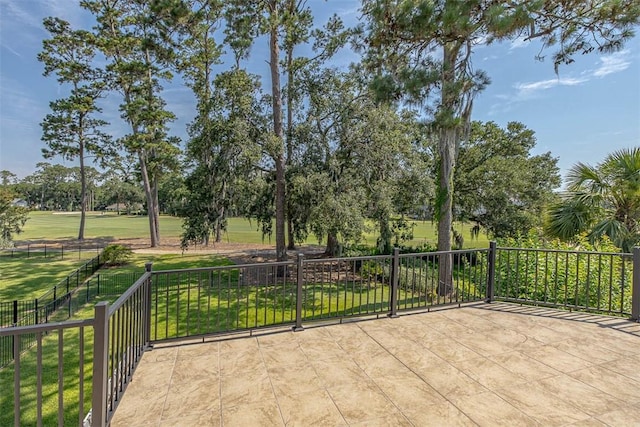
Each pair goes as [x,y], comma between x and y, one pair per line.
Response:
[122,333]
[597,282]
[176,304]
[47,371]
[203,301]
[419,278]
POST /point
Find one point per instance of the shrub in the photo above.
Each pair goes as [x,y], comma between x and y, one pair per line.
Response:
[117,255]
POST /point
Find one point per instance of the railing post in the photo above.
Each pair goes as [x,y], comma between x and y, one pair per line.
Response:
[36,311]
[100,365]
[395,274]
[635,290]
[299,283]
[491,277]
[15,312]
[147,334]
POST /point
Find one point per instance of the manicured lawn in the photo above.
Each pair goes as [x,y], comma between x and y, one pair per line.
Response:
[59,226]
[24,278]
[52,226]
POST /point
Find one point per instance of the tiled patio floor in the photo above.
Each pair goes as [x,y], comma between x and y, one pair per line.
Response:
[487,364]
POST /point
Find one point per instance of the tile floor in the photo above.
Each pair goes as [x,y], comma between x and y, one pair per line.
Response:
[487,364]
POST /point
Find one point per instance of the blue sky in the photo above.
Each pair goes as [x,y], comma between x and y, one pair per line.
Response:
[590,109]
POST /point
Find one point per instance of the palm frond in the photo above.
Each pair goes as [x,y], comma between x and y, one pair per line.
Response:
[568,219]
[583,177]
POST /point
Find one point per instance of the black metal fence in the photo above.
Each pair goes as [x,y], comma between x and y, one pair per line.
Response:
[597,282]
[195,302]
[110,344]
[51,250]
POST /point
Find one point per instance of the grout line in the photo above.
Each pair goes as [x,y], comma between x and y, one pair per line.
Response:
[166,397]
[423,379]
[219,381]
[273,389]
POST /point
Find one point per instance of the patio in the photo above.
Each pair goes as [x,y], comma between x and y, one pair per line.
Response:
[482,364]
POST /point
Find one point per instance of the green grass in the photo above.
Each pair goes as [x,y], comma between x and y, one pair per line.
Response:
[61,226]
[24,278]
[171,262]
[109,226]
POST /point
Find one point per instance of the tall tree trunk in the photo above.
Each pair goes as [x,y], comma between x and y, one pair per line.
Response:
[290,83]
[445,189]
[156,208]
[83,188]
[221,213]
[446,149]
[149,196]
[281,250]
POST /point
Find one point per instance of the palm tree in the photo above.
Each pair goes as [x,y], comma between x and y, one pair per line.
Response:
[601,201]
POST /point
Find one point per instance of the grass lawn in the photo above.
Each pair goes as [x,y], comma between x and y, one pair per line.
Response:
[62,226]
[24,278]
[169,262]
[71,348]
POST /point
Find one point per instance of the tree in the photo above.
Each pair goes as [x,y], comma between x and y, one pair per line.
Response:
[137,39]
[245,22]
[224,148]
[71,129]
[356,159]
[12,218]
[325,183]
[206,212]
[601,200]
[51,187]
[499,185]
[422,51]
[8,178]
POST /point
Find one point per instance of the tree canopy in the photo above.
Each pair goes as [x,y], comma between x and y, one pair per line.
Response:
[499,185]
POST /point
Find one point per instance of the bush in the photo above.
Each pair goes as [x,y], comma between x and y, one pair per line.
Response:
[116,255]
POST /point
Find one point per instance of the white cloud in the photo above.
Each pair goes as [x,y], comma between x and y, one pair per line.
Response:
[607,64]
[525,89]
[531,90]
[613,63]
